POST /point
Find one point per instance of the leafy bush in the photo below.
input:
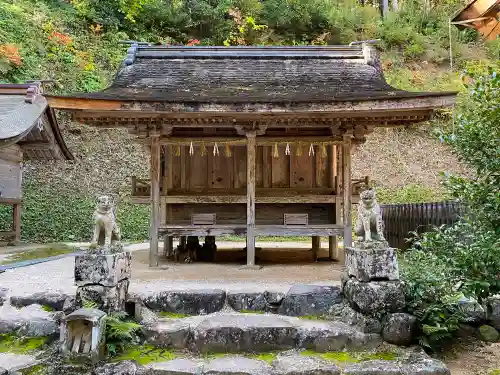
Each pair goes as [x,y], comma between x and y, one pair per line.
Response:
[462,260]
[54,217]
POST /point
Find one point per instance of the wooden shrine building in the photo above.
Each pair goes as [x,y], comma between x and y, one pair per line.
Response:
[252,141]
[28,131]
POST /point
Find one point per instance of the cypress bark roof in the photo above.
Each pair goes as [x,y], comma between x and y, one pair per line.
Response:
[27,119]
[251,74]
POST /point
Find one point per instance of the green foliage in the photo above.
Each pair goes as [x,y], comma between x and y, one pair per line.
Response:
[40,253]
[45,219]
[170,315]
[413,193]
[121,331]
[351,357]
[145,354]
[462,260]
[21,345]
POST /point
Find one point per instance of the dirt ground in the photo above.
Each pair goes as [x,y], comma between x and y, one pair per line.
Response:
[279,265]
[473,358]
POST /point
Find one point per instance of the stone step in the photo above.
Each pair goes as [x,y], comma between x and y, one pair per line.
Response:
[285,363]
[235,332]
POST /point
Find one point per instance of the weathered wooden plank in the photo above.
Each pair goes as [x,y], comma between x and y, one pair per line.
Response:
[204,230]
[281,169]
[322,168]
[295,219]
[11,177]
[251,156]
[235,199]
[302,172]
[310,230]
[199,169]
[240,167]
[155,201]
[267,173]
[347,198]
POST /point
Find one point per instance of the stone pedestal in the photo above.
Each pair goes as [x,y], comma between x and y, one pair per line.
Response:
[103,278]
[372,263]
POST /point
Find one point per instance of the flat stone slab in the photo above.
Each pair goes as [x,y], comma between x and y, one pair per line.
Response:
[54,300]
[189,302]
[30,321]
[102,269]
[234,333]
[176,367]
[107,298]
[372,263]
[304,300]
[237,366]
[243,333]
[301,365]
[13,362]
[254,301]
[375,368]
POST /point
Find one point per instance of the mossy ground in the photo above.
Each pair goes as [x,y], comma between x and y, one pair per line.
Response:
[40,253]
[351,357]
[145,354]
[35,370]
[170,315]
[17,345]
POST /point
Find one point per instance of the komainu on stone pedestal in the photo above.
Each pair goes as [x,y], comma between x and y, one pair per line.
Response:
[369,224]
[106,230]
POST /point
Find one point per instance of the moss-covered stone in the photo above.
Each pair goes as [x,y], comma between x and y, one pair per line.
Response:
[40,253]
[25,345]
[35,370]
[145,354]
[171,315]
[488,333]
[351,357]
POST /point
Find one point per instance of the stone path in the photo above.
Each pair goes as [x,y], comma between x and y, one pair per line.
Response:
[13,362]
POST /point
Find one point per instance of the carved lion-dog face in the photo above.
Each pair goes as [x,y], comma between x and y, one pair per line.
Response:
[368,197]
[104,203]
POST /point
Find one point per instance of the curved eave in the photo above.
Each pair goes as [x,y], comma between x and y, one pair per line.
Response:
[57,134]
[409,101]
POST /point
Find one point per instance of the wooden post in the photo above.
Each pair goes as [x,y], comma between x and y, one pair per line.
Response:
[251,151]
[332,240]
[16,222]
[316,246]
[155,200]
[347,184]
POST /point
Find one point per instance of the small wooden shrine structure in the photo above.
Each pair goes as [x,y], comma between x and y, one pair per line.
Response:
[28,131]
[252,141]
[482,15]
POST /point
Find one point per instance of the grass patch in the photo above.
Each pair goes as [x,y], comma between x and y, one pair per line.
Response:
[266,357]
[35,370]
[351,357]
[17,345]
[170,315]
[40,253]
[145,354]
[252,312]
[310,317]
[47,308]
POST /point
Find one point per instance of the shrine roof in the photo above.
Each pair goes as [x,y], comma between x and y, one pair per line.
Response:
[226,75]
[27,119]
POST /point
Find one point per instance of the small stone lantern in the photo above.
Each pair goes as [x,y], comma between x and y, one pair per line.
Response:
[83,334]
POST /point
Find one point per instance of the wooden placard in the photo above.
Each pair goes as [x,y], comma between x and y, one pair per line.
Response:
[295,219]
[10,179]
[203,219]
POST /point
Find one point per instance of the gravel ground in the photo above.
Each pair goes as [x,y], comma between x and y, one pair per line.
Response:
[58,275]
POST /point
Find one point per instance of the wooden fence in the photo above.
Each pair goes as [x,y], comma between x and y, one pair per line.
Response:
[401,219]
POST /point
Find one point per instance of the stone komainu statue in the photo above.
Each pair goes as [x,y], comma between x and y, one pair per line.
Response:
[106,230]
[369,226]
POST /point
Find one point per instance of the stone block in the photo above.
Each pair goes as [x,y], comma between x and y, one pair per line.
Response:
[301,365]
[474,312]
[53,300]
[372,263]
[399,329]
[236,366]
[376,367]
[346,314]
[493,312]
[375,298]
[3,295]
[168,334]
[255,301]
[102,269]
[488,333]
[120,368]
[108,299]
[31,319]
[178,366]
[305,300]
[424,365]
[243,333]
[189,302]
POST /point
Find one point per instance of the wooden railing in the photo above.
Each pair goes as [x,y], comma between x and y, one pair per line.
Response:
[141,187]
[401,219]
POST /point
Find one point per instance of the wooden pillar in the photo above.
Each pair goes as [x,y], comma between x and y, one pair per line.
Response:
[332,240]
[16,222]
[347,184]
[155,201]
[251,154]
[316,246]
